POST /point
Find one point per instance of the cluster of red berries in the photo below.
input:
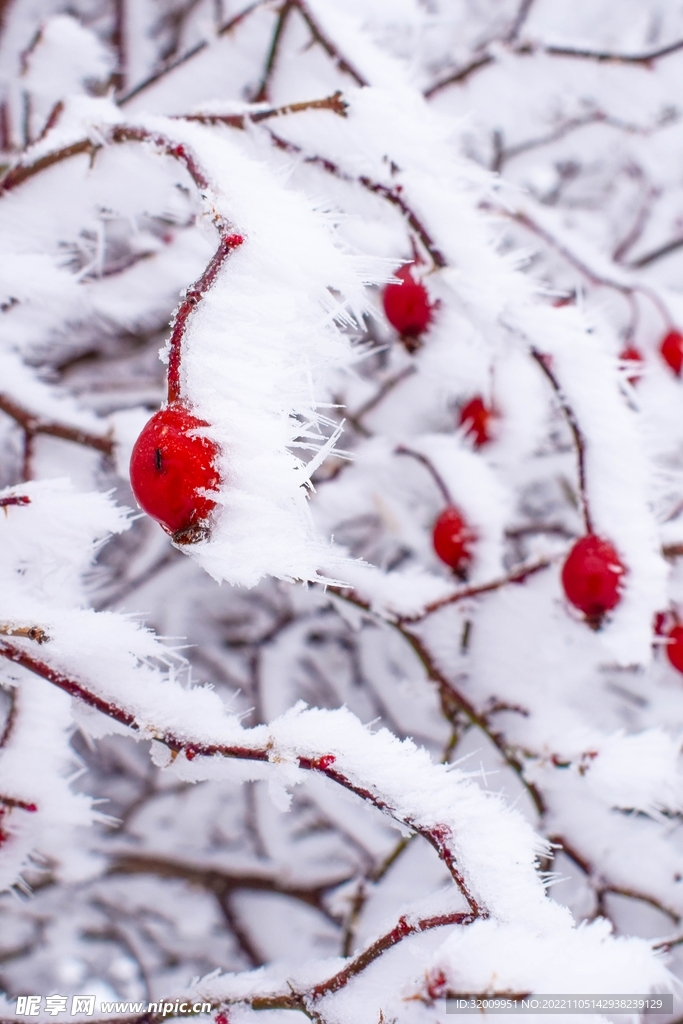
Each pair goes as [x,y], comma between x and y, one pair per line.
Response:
[671,350]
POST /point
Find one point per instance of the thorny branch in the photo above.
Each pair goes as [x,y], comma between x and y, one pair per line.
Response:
[439,838]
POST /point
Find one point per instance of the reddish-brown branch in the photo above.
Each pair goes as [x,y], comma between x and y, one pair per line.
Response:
[119,78]
[22,172]
[204,44]
[656,254]
[520,20]
[484,59]
[335,103]
[579,440]
[219,881]
[328,45]
[395,197]
[601,886]
[595,277]
[604,56]
[431,469]
[403,930]
[517,575]
[229,241]
[573,124]
[356,418]
[392,195]
[193,296]
[453,701]
[53,118]
[262,93]
[33,424]
[461,75]
[437,836]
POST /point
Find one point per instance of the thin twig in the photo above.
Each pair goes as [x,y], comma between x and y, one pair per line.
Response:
[328,45]
[199,47]
[518,575]
[431,469]
[34,424]
[335,103]
[577,433]
[656,254]
[119,42]
[220,881]
[403,930]
[356,418]
[392,194]
[520,20]
[486,58]
[193,296]
[263,91]
[601,887]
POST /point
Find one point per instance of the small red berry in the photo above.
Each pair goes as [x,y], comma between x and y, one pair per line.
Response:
[453,539]
[592,577]
[170,466]
[672,351]
[674,647]
[478,420]
[633,356]
[407,305]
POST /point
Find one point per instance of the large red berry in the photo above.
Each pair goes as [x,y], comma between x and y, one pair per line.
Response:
[453,539]
[407,305]
[674,647]
[170,467]
[633,357]
[478,420]
[672,351]
[592,577]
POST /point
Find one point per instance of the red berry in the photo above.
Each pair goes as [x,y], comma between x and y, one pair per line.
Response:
[634,356]
[407,305]
[674,648]
[478,421]
[592,577]
[169,468]
[672,351]
[453,539]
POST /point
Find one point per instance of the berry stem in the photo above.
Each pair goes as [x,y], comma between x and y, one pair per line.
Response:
[193,296]
[429,466]
[579,440]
